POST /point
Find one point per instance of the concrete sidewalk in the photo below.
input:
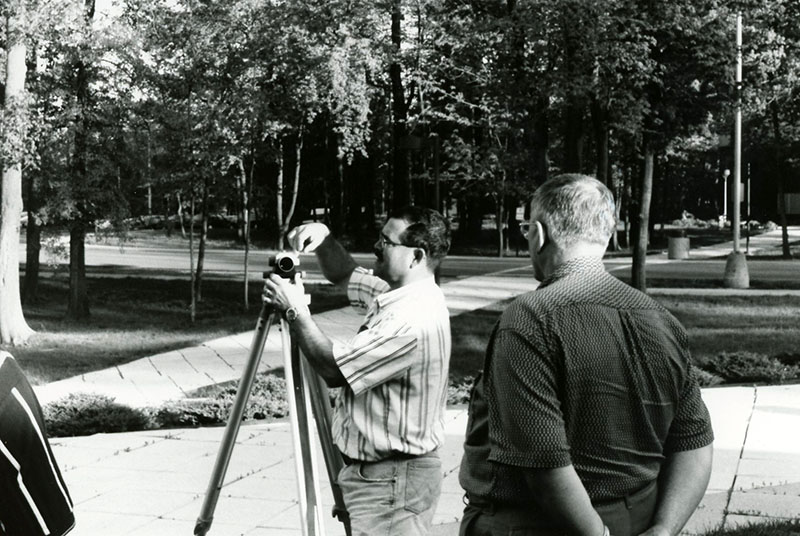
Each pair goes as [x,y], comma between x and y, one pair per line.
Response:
[153,483]
[768,244]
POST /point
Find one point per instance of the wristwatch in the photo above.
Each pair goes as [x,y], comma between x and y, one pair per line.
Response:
[291,314]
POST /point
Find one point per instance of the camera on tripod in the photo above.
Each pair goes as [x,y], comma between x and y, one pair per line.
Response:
[284,264]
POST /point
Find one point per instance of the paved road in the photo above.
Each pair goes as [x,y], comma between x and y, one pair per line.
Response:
[110,260]
[229,262]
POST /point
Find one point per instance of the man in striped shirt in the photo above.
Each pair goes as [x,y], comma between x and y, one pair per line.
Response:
[389,416]
[34,500]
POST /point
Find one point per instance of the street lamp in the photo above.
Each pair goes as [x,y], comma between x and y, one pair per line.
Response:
[736,274]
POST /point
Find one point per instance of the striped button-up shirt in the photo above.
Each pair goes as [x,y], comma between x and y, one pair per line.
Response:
[396,370]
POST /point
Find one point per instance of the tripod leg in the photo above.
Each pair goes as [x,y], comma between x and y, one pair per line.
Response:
[320,402]
[299,416]
[265,320]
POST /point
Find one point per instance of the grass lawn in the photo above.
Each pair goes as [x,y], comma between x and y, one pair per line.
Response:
[765,325]
[788,527]
[133,318]
[760,324]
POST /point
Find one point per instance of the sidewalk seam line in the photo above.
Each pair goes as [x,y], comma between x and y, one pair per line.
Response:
[150,360]
[183,356]
[725,511]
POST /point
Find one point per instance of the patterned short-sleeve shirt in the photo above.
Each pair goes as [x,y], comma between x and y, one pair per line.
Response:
[396,370]
[586,371]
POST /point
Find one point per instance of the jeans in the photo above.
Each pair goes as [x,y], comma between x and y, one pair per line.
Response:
[628,516]
[394,497]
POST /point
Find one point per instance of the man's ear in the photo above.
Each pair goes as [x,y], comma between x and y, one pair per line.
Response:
[419,255]
[541,235]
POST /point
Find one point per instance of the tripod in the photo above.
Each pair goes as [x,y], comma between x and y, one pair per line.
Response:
[308,400]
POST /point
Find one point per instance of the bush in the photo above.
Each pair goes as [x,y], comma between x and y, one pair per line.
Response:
[740,367]
[87,413]
[707,379]
[459,392]
[267,400]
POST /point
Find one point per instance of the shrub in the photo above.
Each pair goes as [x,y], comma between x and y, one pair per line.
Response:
[788,358]
[707,379]
[267,400]
[459,392]
[738,367]
[89,413]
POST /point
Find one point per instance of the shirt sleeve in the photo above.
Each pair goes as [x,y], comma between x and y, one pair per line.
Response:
[530,431]
[363,288]
[691,427]
[376,354]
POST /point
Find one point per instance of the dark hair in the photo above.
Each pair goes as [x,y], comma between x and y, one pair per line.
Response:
[427,229]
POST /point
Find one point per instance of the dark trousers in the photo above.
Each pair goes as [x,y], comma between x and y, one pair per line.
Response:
[628,516]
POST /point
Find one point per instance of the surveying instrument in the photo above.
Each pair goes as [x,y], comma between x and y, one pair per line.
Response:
[307,395]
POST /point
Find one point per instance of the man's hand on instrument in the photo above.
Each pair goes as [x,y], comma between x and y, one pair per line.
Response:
[307,237]
[282,294]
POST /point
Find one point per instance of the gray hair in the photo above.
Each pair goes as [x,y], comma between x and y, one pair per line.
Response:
[575,208]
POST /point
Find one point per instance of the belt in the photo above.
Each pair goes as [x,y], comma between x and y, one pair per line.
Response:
[395,456]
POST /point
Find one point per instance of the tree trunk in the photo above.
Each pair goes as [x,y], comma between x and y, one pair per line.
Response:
[279,192]
[33,245]
[201,248]
[638,271]
[600,126]
[776,126]
[627,189]
[541,140]
[193,304]
[400,171]
[179,213]
[573,136]
[13,327]
[78,302]
[284,228]
[500,200]
[617,217]
[246,181]
[167,221]
[500,219]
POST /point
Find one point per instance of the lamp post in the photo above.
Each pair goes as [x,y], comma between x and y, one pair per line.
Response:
[736,273]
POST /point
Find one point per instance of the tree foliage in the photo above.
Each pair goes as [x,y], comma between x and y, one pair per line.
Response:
[274,112]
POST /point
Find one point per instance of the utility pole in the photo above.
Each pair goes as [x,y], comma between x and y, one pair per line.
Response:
[736,273]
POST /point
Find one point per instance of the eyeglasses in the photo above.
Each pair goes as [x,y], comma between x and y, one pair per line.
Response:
[384,241]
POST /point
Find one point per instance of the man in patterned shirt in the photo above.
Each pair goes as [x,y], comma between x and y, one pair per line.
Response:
[388,421]
[587,419]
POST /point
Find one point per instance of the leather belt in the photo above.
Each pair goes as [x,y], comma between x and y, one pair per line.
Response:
[395,456]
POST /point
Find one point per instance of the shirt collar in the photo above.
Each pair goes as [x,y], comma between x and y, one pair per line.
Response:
[399,293]
[574,266]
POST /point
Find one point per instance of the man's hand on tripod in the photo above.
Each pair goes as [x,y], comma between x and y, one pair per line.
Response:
[283,294]
[317,347]
[308,237]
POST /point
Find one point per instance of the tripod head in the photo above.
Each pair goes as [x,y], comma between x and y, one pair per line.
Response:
[284,263]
